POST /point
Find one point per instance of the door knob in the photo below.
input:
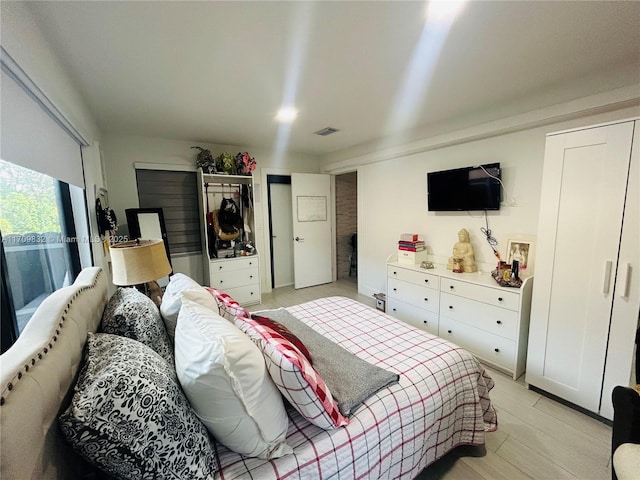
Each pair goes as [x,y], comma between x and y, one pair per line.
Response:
[298,239]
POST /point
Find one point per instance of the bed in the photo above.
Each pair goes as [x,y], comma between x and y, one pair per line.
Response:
[441,400]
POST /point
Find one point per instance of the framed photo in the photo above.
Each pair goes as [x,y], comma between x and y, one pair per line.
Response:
[522,251]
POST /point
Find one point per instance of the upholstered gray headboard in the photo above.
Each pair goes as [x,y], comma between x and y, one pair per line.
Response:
[37,373]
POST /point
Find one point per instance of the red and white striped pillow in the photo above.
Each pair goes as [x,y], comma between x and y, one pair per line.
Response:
[227,306]
[279,329]
[294,376]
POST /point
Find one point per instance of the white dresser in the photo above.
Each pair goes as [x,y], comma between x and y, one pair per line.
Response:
[239,277]
[413,296]
[469,309]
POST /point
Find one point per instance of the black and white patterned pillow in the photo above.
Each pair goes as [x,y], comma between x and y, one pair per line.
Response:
[132,314]
[130,418]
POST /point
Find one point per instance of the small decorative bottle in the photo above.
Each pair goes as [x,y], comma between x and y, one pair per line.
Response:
[458,266]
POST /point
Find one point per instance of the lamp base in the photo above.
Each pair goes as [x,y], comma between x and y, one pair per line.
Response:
[152,290]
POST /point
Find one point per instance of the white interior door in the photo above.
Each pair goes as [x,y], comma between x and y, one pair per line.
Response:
[281,234]
[310,199]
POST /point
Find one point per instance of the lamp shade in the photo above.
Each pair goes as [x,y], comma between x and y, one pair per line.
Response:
[139,261]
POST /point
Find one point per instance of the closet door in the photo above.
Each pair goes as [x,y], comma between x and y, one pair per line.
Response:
[582,203]
[626,303]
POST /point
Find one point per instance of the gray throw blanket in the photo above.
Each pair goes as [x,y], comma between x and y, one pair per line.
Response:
[350,379]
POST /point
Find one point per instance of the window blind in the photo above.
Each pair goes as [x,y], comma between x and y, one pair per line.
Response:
[32,139]
[176,192]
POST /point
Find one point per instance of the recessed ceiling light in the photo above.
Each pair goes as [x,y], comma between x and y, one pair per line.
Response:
[286,114]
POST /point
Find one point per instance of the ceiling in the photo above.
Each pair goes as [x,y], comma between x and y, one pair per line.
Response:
[217,72]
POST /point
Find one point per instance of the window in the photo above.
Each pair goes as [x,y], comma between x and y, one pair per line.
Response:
[38,244]
[176,192]
[38,238]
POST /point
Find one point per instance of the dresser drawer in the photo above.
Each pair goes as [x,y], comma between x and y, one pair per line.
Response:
[245,295]
[417,295]
[496,320]
[492,348]
[414,316]
[231,264]
[413,276]
[492,296]
[234,278]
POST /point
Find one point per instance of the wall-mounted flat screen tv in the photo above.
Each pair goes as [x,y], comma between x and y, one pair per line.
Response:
[469,188]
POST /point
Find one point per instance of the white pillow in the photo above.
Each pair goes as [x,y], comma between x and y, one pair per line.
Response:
[172,299]
[224,376]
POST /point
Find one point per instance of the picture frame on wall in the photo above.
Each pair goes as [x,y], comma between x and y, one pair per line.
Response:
[524,252]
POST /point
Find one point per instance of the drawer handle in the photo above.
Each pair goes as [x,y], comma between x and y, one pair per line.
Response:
[449,331]
[250,263]
[497,350]
[395,273]
[393,309]
[499,322]
[425,322]
[451,287]
[499,299]
[450,307]
[426,280]
[395,289]
[426,299]
[220,267]
[250,276]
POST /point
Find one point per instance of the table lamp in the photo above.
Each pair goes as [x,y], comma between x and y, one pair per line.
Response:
[140,263]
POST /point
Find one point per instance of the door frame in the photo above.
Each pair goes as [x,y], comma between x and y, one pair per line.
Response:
[282,180]
[360,208]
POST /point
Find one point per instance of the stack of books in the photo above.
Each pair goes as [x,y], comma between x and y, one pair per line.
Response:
[409,242]
[411,249]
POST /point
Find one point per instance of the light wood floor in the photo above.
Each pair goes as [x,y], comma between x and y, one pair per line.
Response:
[537,438]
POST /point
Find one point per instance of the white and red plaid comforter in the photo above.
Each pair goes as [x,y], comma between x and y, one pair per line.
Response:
[441,401]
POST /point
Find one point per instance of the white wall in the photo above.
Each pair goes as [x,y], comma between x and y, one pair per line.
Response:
[392,198]
[122,152]
[26,44]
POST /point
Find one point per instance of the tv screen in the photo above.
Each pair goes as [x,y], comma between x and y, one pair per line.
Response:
[469,188]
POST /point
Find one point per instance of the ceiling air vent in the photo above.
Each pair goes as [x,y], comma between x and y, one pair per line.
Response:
[327,131]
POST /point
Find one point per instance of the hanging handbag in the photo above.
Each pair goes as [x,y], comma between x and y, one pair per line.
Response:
[106,218]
